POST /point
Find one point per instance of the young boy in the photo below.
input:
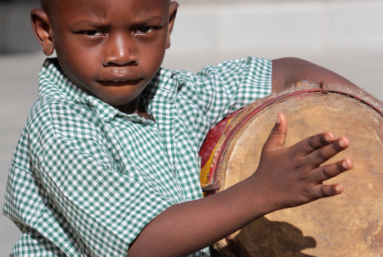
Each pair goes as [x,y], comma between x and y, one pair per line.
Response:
[107,164]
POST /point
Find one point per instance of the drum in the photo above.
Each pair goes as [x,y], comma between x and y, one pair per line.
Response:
[350,224]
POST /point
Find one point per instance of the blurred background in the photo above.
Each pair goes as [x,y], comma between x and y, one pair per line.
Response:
[343,36]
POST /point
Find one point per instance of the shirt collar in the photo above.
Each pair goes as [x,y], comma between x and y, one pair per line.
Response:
[164,85]
[54,84]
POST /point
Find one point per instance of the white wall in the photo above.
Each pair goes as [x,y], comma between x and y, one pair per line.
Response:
[311,23]
[344,36]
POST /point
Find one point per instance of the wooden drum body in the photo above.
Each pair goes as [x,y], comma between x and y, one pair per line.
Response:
[350,224]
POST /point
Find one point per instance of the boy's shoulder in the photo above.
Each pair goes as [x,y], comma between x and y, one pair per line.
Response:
[62,111]
[230,73]
[55,86]
[230,68]
[60,99]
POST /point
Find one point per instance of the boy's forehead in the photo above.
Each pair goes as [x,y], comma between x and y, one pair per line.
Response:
[49,5]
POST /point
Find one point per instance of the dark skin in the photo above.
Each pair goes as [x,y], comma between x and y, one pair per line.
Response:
[113,50]
[286,177]
[289,71]
[110,51]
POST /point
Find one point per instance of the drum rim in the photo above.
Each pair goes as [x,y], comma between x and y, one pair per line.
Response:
[256,107]
[244,115]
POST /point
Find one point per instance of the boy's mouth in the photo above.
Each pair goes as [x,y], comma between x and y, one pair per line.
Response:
[120,81]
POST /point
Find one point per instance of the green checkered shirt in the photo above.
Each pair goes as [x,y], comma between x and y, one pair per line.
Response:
[85,178]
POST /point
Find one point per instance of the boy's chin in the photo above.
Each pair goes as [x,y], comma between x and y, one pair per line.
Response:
[122,102]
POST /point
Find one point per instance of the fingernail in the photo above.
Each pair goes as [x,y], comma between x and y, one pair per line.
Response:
[327,137]
[278,119]
[345,165]
[342,143]
[337,188]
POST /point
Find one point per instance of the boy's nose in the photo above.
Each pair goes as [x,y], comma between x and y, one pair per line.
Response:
[120,50]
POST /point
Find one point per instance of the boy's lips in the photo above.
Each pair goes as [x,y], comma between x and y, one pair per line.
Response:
[119,81]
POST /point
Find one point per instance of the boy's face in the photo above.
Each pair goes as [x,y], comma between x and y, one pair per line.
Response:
[111,48]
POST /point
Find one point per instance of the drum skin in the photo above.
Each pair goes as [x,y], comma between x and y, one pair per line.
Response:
[350,224]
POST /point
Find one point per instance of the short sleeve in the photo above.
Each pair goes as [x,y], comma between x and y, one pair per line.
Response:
[206,98]
[232,85]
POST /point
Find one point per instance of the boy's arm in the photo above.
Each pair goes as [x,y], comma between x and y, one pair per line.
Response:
[286,177]
[289,71]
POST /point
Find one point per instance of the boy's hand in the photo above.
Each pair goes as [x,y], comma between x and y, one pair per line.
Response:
[286,177]
[292,176]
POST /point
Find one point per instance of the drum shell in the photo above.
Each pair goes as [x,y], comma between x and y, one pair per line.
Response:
[347,225]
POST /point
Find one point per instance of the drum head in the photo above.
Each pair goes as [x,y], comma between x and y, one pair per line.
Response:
[350,224]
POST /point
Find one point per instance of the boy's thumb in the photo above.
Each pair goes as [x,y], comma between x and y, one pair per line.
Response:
[278,135]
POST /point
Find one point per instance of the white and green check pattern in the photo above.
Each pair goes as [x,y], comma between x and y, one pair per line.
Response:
[85,178]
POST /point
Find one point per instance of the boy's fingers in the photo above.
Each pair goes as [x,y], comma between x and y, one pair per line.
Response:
[311,144]
[324,153]
[277,136]
[329,171]
[321,191]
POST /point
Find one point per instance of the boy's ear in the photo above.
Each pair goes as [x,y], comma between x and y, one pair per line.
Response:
[172,13]
[42,29]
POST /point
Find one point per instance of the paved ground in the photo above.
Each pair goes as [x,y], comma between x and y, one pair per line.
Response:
[362,64]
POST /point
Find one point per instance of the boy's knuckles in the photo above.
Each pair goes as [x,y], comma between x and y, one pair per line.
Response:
[277,131]
[336,147]
[321,155]
[318,141]
[321,191]
[323,139]
[302,176]
[326,173]
[313,143]
[306,193]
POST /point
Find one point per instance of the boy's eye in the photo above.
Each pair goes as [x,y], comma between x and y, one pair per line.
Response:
[92,33]
[143,30]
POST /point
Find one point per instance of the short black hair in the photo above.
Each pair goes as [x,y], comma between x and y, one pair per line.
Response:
[47,5]
[43,4]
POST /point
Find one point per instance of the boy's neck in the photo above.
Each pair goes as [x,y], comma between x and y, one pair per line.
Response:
[134,107]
